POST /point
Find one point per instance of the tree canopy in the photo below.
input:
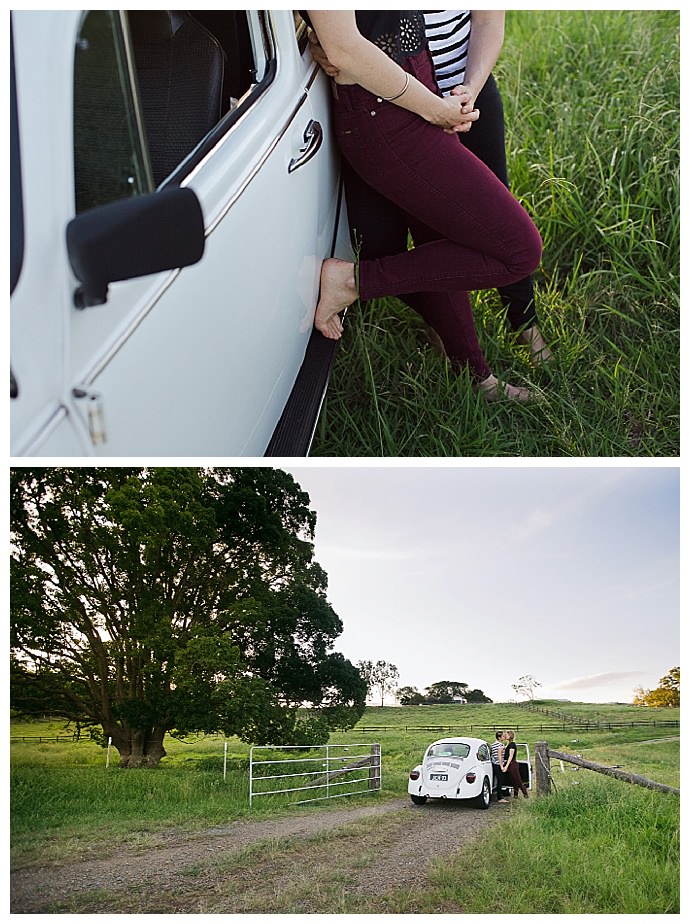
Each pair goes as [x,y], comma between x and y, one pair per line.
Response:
[380,676]
[525,686]
[155,600]
[666,694]
[444,691]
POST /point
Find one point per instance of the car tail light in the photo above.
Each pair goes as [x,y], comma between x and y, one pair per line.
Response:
[414,775]
[471,776]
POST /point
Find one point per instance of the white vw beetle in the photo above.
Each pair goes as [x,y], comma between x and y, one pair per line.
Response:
[458,768]
[174,192]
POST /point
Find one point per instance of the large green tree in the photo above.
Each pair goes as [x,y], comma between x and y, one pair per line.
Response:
[156,600]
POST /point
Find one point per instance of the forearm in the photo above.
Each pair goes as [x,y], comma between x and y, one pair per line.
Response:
[361,62]
[486,42]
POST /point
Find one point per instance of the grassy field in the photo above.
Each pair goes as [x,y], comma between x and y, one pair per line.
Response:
[596,845]
[593,117]
[65,803]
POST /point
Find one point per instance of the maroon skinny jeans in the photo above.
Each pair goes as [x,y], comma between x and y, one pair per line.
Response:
[469,230]
[514,778]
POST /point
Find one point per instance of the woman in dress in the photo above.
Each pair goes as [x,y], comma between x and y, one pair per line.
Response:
[510,765]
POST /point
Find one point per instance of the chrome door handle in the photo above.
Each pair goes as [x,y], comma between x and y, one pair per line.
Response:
[313,139]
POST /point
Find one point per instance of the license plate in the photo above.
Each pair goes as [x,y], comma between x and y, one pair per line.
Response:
[441,777]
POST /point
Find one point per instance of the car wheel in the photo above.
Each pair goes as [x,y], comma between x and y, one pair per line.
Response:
[483,800]
[418,800]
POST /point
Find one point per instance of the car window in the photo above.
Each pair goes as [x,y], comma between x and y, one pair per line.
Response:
[483,752]
[110,162]
[449,750]
[155,89]
[300,30]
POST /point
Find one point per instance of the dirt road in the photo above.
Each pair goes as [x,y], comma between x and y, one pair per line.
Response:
[331,861]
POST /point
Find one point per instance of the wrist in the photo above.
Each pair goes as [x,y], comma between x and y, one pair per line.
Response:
[440,111]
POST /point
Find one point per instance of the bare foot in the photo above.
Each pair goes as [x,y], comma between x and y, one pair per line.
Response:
[338,292]
[538,350]
[492,390]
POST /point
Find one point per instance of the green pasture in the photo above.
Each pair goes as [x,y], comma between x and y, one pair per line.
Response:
[592,102]
[60,783]
[595,845]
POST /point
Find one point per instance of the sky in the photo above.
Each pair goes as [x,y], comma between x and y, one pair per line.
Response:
[483,575]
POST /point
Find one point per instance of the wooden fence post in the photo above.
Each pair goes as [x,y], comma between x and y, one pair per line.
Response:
[375,767]
[542,768]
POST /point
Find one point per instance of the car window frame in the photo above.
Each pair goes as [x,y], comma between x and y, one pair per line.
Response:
[220,130]
[263,43]
[16,193]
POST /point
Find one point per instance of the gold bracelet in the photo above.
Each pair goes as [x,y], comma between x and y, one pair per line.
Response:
[389,99]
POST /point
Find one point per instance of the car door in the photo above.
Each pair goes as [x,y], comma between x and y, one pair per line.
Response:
[525,763]
[201,361]
[41,203]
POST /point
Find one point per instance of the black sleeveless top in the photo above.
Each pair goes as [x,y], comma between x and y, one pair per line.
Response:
[398,33]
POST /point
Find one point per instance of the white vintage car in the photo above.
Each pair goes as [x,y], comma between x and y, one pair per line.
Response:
[460,768]
[174,190]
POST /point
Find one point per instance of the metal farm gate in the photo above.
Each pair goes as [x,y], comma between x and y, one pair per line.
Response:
[327,771]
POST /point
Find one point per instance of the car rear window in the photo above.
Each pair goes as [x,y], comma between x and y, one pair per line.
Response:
[449,750]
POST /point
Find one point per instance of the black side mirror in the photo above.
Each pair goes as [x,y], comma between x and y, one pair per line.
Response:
[135,237]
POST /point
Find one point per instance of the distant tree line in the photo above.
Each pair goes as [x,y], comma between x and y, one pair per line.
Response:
[445,691]
[381,679]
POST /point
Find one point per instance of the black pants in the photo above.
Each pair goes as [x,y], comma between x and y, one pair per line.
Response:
[500,778]
[486,140]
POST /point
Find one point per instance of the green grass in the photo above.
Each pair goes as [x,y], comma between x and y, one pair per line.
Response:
[593,118]
[595,845]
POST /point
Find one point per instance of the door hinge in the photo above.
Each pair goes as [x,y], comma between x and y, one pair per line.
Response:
[90,406]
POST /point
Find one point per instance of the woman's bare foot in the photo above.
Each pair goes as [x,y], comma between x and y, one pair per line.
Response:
[338,292]
[492,390]
[538,350]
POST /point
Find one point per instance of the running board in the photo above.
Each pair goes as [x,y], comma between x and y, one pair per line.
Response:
[295,430]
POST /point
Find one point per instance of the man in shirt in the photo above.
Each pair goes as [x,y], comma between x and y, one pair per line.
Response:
[496,760]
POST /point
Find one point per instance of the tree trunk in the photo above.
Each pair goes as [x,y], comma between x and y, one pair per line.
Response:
[138,749]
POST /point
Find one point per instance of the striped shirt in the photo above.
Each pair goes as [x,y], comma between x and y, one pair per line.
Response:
[448,33]
[495,747]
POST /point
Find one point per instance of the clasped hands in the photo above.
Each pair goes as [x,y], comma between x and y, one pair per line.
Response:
[468,113]
[460,102]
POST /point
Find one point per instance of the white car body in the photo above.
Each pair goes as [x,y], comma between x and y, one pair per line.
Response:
[201,358]
[458,768]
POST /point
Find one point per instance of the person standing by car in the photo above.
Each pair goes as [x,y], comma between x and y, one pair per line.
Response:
[509,764]
[399,136]
[464,46]
[496,761]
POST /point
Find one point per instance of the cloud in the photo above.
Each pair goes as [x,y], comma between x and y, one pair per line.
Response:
[537,522]
[598,680]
